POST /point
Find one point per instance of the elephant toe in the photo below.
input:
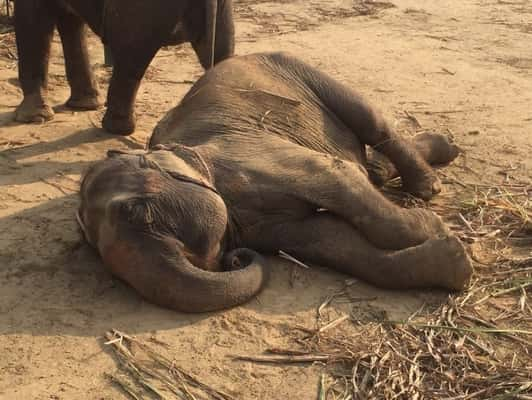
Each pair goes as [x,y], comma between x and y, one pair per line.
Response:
[429,223]
[119,125]
[425,187]
[460,268]
[28,113]
[88,102]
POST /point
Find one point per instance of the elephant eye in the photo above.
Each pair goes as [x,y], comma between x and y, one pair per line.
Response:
[137,212]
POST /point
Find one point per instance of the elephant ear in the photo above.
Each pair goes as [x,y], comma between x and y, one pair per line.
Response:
[194,159]
[112,153]
[187,165]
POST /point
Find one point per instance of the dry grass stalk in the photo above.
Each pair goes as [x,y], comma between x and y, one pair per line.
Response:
[294,260]
[152,374]
[322,391]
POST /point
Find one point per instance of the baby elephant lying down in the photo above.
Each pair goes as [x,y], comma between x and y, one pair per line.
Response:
[267,153]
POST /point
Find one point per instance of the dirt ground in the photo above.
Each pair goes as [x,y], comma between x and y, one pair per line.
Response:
[461,67]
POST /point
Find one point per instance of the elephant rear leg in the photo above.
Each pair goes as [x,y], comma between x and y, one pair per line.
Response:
[83,86]
[34,28]
[327,240]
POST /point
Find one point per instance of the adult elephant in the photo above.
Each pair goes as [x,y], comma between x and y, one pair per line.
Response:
[134,30]
[267,153]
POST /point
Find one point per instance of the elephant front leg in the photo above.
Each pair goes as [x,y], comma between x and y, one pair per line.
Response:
[371,129]
[34,27]
[434,148]
[84,89]
[329,241]
[128,71]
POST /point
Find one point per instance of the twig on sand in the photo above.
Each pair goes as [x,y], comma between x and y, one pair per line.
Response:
[447,71]
[412,118]
[333,324]
[59,187]
[284,359]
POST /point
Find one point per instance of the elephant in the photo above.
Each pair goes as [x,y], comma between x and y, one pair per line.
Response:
[133,30]
[266,153]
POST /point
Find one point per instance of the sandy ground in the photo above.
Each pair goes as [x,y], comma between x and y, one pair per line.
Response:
[463,67]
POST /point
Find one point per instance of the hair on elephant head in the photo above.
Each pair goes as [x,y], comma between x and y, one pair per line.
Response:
[159,224]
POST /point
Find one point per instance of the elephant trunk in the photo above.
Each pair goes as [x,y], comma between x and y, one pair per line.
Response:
[158,269]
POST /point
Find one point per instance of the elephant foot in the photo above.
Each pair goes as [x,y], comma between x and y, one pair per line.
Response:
[456,270]
[424,186]
[428,222]
[84,103]
[33,109]
[436,148]
[119,125]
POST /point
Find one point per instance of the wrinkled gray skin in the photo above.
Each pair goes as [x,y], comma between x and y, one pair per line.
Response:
[134,30]
[250,158]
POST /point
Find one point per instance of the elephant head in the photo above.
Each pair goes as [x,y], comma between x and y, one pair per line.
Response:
[160,225]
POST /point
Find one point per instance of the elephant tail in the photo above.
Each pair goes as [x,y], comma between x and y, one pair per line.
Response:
[211,19]
[158,269]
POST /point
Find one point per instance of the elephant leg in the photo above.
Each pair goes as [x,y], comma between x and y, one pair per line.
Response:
[83,86]
[34,27]
[129,68]
[369,126]
[329,241]
[343,188]
[434,148]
